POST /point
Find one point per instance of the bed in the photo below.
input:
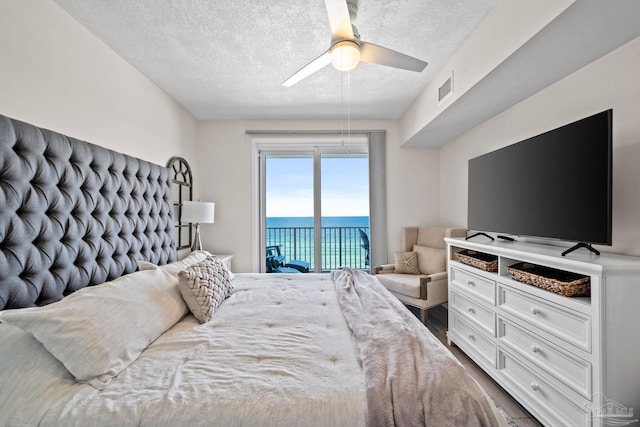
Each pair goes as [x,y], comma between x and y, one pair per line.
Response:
[101,325]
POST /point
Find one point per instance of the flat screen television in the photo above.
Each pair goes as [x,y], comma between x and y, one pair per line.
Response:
[555,185]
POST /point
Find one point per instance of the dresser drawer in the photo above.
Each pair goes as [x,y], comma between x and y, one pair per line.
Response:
[574,372]
[474,312]
[561,322]
[553,407]
[472,341]
[475,284]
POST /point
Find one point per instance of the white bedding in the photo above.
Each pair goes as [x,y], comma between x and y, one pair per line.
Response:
[278,352]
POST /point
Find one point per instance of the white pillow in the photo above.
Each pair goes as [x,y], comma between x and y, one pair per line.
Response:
[98,331]
[177,266]
[431,260]
[27,371]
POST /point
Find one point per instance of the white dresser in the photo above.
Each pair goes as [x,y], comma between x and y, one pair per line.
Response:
[571,361]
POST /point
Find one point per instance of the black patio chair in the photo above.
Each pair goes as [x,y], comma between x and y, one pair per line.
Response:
[276,262]
[275,259]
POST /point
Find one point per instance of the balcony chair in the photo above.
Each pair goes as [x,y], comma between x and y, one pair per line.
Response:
[419,275]
[275,262]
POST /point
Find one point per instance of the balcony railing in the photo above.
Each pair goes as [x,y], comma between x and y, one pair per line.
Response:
[341,246]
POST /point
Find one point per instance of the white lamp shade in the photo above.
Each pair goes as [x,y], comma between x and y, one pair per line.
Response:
[345,55]
[198,212]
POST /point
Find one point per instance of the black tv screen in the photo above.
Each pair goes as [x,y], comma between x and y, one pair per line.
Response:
[555,185]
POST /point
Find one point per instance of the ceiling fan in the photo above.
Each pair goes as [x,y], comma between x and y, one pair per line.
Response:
[347,50]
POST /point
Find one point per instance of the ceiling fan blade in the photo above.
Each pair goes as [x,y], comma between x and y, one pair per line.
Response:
[339,19]
[310,68]
[375,54]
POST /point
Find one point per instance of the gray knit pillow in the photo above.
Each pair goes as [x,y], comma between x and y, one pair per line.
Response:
[204,286]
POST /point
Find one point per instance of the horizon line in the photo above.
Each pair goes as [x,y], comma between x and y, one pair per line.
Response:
[311,216]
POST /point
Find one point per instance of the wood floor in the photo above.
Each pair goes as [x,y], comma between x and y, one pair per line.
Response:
[437,324]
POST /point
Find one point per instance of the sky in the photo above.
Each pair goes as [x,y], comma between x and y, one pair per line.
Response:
[345,186]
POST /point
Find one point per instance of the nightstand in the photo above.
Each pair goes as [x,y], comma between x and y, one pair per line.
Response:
[226,259]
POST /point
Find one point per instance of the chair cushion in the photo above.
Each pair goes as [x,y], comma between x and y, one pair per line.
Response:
[406,262]
[430,260]
[405,284]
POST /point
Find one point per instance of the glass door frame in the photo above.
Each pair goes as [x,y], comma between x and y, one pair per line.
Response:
[311,145]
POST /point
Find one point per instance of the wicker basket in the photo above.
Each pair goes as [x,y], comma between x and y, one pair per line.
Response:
[550,279]
[479,260]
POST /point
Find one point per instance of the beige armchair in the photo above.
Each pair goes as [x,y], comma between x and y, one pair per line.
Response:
[419,276]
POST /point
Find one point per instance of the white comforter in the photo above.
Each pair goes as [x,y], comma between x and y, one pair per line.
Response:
[277,353]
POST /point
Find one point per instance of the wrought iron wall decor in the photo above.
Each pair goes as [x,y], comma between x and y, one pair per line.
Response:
[182,189]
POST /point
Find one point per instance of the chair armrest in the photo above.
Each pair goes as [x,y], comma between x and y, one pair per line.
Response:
[436,276]
[424,280]
[385,268]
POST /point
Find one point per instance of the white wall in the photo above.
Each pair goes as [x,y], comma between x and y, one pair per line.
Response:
[509,25]
[611,82]
[224,165]
[57,75]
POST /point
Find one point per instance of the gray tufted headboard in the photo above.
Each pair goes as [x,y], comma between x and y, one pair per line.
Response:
[74,214]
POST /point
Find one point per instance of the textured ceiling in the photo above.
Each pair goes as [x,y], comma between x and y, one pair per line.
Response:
[225,59]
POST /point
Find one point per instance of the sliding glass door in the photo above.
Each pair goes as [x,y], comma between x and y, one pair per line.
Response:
[315,207]
[345,210]
[289,211]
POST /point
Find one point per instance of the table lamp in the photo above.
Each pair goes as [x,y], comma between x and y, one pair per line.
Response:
[197,213]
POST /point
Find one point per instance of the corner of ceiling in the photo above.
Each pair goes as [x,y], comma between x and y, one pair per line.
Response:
[498,72]
[431,122]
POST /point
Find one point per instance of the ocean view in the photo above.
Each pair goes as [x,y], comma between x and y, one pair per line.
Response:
[327,221]
[341,239]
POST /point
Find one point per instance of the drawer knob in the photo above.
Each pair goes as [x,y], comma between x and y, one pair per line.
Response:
[471,337]
[470,283]
[470,310]
[535,348]
[535,387]
[534,311]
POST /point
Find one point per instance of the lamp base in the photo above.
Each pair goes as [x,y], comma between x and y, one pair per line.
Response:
[197,243]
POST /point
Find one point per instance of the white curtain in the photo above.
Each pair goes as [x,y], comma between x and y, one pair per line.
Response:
[377,198]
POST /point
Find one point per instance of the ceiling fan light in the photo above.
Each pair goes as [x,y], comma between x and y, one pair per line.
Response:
[345,55]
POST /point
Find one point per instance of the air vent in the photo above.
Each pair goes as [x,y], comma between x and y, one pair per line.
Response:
[445,89]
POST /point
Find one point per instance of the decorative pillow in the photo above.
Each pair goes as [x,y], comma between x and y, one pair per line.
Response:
[406,262]
[431,260]
[99,330]
[204,286]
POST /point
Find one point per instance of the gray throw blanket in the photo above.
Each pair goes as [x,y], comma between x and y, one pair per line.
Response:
[411,378]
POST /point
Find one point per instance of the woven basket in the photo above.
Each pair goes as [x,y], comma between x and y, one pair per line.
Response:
[557,281]
[479,260]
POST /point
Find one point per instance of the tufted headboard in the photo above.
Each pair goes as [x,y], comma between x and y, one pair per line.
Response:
[74,214]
